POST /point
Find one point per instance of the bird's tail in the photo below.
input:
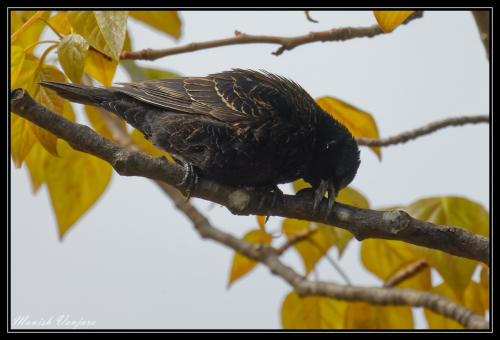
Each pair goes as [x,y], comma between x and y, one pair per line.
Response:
[82,94]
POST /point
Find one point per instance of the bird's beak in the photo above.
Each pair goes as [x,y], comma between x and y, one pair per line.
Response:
[323,187]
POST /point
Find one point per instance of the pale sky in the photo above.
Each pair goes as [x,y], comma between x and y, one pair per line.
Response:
[134,261]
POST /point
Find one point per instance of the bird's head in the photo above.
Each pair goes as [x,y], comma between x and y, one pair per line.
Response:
[335,162]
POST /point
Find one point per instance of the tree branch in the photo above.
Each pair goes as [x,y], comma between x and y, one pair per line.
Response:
[287,43]
[362,223]
[424,130]
[483,25]
[374,295]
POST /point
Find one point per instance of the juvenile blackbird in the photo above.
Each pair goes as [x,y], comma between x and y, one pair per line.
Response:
[240,127]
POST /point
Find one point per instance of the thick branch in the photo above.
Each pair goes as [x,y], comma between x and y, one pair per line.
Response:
[362,223]
[287,43]
[378,296]
[424,130]
[483,25]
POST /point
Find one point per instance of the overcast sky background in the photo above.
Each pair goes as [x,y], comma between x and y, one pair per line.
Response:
[133,261]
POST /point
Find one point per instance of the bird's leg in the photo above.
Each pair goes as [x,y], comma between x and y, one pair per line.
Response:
[191,176]
[319,194]
[325,186]
[264,192]
[332,195]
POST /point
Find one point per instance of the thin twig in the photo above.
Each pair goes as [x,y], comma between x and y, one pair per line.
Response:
[337,267]
[362,223]
[294,239]
[287,43]
[406,273]
[425,130]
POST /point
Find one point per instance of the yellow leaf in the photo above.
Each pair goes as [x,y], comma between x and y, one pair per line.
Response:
[147,146]
[75,182]
[261,220]
[68,111]
[385,258]
[35,162]
[21,139]
[312,248]
[358,122]
[60,23]
[362,315]
[485,287]
[103,30]
[165,21]
[72,52]
[352,197]
[49,99]
[456,212]
[473,298]
[37,156]
[152,73]
[337,236]
[27,72]
[299,185]
[389,20]
[26,29]
[312,312]
[438,321]
[242,264]
[309,18]
[16,63]
[140,74]
[98,67]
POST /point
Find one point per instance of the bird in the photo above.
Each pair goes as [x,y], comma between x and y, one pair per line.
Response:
[239,127]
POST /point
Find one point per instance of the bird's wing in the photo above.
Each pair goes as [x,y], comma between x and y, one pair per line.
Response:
[232,96]
[260,95]
[167,93]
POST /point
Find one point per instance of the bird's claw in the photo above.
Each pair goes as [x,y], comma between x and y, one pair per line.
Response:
[325,186]
[264,192]
[191,178]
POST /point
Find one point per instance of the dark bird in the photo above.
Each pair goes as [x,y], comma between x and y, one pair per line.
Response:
[240,127]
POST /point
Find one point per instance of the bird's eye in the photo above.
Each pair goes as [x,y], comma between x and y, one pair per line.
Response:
[330,143]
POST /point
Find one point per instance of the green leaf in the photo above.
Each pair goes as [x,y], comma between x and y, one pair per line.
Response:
[103,30]
[72,52]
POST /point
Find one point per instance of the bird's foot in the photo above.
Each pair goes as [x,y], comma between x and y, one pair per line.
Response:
[264,192]
[190,178]
[325,186]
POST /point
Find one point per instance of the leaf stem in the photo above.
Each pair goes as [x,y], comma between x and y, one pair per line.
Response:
[53,29]
[42,58]
[40,42]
